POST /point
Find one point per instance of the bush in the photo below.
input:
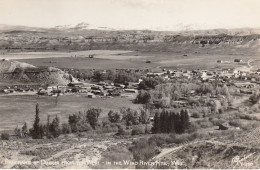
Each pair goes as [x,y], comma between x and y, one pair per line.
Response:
[204,123]
[195,115]
[114,117]
[109,127]
[92,116]
[143,97]
[255,97]
[5,136]
[138,131]
[235,123]
[121,131]
[130,117]
[66,129]
[247,117]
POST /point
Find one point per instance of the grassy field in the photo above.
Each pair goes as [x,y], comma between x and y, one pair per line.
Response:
[125,59]
[15,110]
[88,63]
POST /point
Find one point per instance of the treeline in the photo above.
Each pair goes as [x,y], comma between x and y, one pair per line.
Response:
[84,121]
[164,95]
[171,122]
[116,76]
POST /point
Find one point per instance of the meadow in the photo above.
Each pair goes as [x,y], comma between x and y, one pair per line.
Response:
[15,110]
[107,59]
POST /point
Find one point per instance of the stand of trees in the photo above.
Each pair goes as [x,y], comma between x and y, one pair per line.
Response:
[171,122]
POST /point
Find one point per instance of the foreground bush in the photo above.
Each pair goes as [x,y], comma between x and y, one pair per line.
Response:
[138,131]
[5,136]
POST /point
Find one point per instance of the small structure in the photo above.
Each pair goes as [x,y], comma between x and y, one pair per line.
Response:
[238,60]
[131,91]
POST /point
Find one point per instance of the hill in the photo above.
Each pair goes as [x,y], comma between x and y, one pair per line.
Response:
[7,66]
[18,72]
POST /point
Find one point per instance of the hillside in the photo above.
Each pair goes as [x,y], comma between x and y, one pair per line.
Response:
[7,66]
[221,41]
[232,151]
[18,72]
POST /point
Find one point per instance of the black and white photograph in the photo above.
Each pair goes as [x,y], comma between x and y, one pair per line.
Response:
[129,84]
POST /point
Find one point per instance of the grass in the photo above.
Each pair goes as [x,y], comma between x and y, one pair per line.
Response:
[108,59]
[15,110]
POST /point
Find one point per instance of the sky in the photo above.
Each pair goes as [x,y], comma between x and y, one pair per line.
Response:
[133,14]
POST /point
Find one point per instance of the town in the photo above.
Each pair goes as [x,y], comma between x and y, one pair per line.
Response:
[244,80]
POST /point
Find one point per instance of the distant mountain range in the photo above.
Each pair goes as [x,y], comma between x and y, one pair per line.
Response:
[182,29]
[84,37]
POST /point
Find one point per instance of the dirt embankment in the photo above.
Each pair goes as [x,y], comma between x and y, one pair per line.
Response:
[18,72]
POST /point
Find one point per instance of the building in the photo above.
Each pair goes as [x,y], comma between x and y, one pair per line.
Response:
[238,60]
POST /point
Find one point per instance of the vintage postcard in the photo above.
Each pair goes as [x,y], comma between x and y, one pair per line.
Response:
[129,84]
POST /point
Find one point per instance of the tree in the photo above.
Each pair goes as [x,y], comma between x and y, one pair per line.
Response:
[5,136]
[98,76]
[255,97]
[92,116]
[36,131]
[66,129]
[18,132]
[48,127]
[113,117]
[156,125]
[130,117]
[144,116]
[143,97]
[55,130]
[25,129]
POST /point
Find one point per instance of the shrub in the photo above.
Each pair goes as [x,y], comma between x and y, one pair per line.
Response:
[143,97]
[204,123]
[130,117]
[195,115]
[235,123]
[247,117]
[92,116]
[255,97]
[5,136]
[109,127]
[54,128]
[113,116]
[66,129]
[138,131]
[121,131]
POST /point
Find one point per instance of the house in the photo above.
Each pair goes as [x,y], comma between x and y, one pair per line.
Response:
[220,61]
[75,84]
[42,92]
[131,90]
[91,95]
[238,60]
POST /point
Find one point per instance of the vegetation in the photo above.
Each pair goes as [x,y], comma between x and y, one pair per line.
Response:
[5,136]
[255,97]
[171,122]
[37,131]
[114,117]
[92,116]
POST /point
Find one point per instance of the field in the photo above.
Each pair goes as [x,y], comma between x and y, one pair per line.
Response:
[106,59]
[15,110]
